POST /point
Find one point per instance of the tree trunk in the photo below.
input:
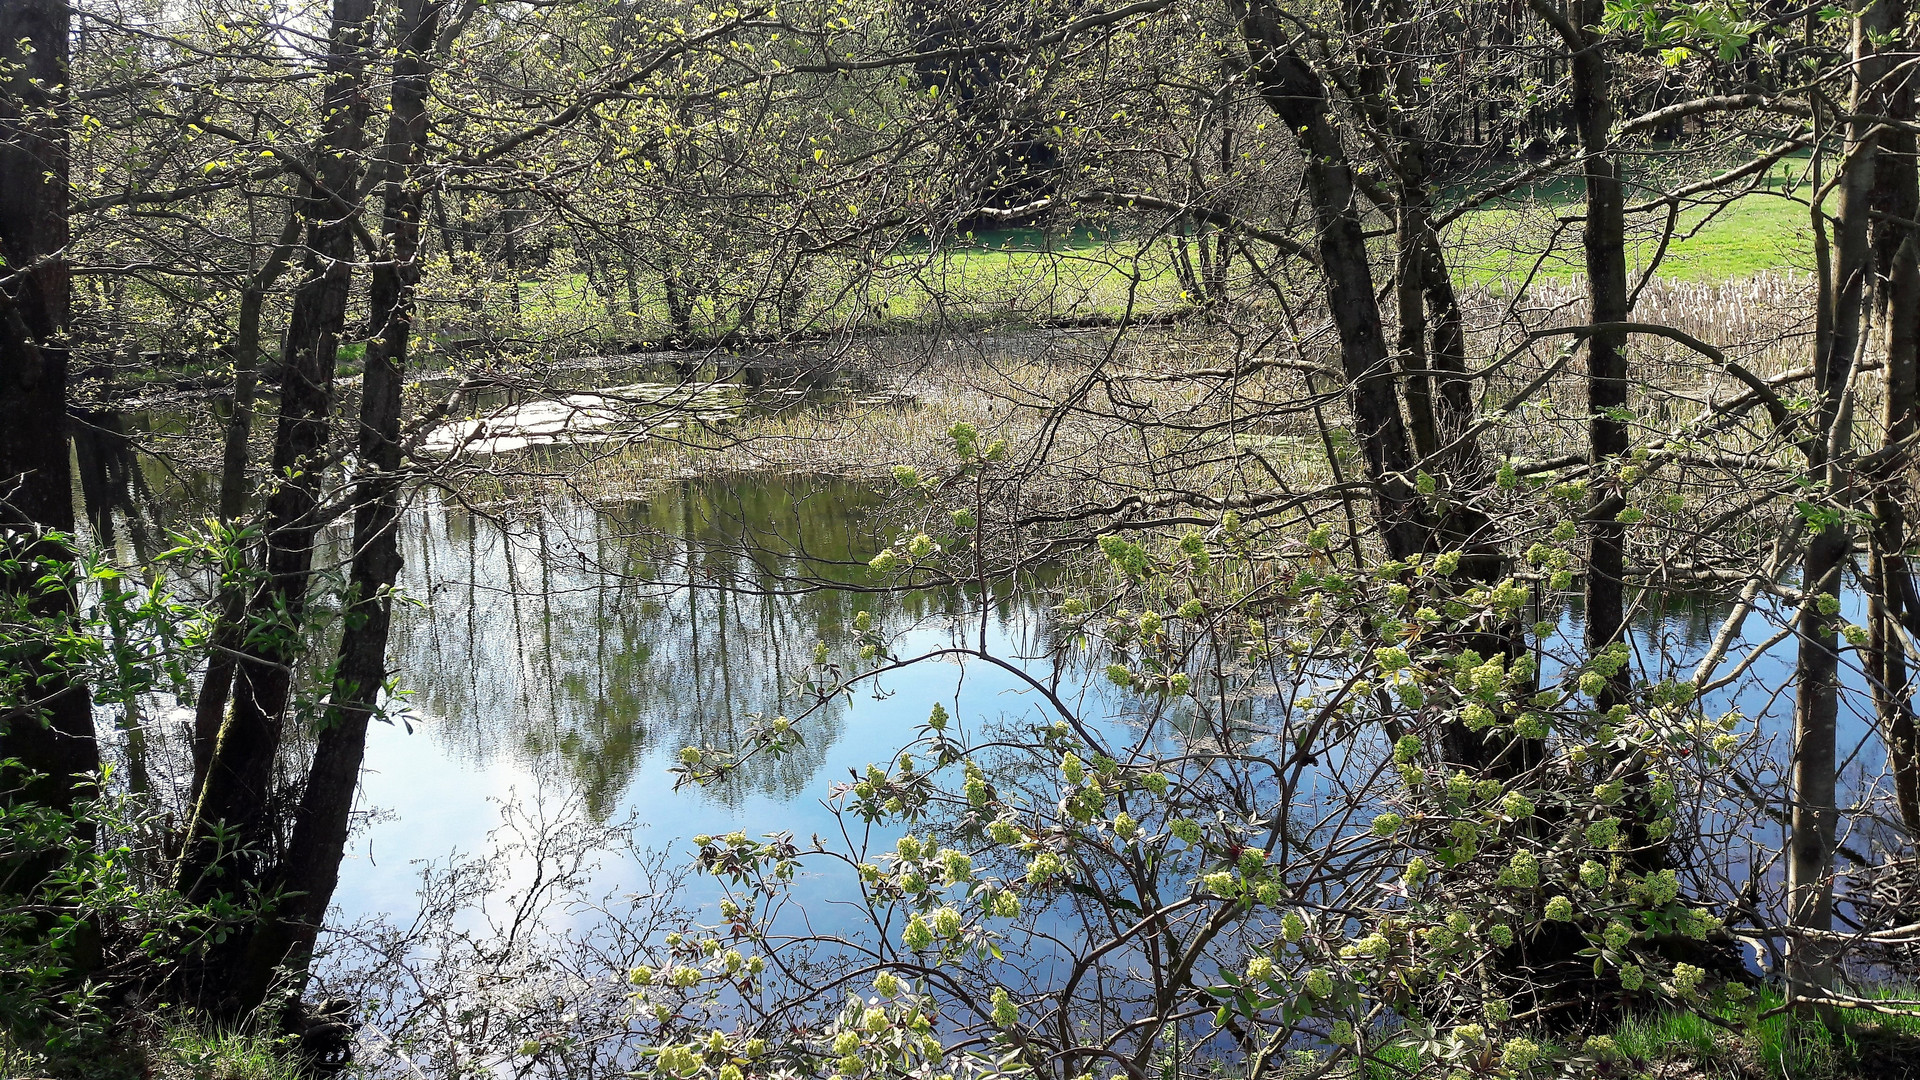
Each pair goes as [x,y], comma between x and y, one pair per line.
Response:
[1297,95]
[311,868]
[211,707]
[1894,608]
[679,306]
[233,801]
[1892,604]
[50,732]
[510,255]
[1432,341]
[1605,243]
[1815,814]
[1409,275]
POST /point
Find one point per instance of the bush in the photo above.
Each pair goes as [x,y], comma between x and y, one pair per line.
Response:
[1337,806]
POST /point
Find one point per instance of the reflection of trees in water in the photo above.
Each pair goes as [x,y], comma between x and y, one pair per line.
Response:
[578,640]
[141,491]
[134,488]
[582,640]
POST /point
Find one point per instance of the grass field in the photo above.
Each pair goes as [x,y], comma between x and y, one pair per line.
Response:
[1768,229]
[1024,277]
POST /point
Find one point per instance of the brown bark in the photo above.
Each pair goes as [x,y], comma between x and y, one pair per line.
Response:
[1603,241]
[1892,604]
[1843,293]
[1894,608]
[1431,340]
[211,707]
[1409,273]
[1298,96]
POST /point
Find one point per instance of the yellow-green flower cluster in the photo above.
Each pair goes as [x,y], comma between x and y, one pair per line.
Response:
[918,936]
[1293,927]
[1522,871]
[1044,867]
[1005,1013]
[1519,1053]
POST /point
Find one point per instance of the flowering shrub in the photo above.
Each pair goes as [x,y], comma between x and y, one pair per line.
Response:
[1358,809]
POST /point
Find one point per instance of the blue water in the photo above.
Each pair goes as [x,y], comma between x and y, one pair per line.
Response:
[564,659]
[561,655]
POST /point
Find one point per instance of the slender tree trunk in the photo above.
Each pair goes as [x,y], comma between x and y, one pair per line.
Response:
[1216,277]
[510,255]
[633,296]
[1894,609]
[312,865]
[215,688]
[1297,95]
[1815,816]
[679,306]
[1431,337]
[246,368]
[233,801]
[1409,274]
[1379,30]
[50,729]
[1891,592]
[1605,244]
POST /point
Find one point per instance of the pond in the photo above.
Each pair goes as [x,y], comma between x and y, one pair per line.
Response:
[559,652]
[571,655]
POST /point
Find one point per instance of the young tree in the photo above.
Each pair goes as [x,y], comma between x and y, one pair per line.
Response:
[311,866]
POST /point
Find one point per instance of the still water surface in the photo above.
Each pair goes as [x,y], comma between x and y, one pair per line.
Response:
[571,656]
[562,652]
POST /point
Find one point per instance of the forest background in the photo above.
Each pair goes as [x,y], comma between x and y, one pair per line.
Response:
[1359,388]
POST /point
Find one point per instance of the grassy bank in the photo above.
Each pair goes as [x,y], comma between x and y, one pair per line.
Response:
[1735,1044]
[1023,279]
[1768,229]
[159,1051]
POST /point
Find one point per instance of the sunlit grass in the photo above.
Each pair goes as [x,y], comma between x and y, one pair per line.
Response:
[1776,1046]
[193,1053]
[159,1050]
[990,281]
[1731,1044]
[1012,282]
[1767,230]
